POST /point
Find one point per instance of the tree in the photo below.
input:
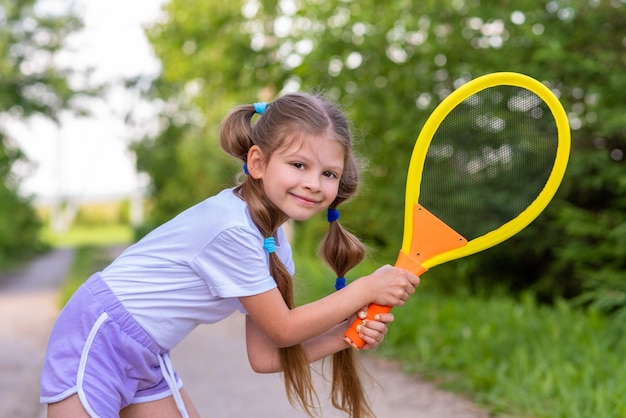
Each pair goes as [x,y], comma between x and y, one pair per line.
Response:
[30,84]
[388,64]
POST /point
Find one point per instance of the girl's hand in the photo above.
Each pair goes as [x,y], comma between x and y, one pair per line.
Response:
[373,331]
[392,286]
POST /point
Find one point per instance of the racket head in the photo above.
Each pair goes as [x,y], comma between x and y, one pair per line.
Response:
[527,118]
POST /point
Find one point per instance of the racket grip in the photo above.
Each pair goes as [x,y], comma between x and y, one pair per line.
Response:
[352,336]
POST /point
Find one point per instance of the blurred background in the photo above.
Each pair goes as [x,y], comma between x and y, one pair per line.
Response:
[109,124]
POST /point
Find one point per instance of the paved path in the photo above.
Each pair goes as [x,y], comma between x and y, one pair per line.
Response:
[28,307]
[211,361]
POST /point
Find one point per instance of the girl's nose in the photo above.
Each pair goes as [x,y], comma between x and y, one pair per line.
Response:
[312,182]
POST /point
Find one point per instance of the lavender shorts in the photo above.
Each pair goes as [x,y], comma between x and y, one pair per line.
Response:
[100,352]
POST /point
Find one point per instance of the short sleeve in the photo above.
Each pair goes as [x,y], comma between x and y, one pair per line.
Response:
[234,264]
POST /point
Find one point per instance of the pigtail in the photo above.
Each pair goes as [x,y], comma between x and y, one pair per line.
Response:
[296,370]
[342,251]
[286,116]
[236,138]
[236,132]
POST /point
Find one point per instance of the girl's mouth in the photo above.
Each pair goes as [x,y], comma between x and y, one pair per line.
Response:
[305,200]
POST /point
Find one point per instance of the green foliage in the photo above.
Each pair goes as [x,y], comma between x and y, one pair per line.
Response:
[596,252]
[203,77]
[30,85]
[19,228]
[576,249]
[389,64]
[29,82]
[184,167]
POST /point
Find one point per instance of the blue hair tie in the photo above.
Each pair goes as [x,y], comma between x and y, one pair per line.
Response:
[332,215]
[260,107]
[269,245]
[340,283]
[245,169]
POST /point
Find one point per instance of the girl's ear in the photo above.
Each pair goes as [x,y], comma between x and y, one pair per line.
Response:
[256,162]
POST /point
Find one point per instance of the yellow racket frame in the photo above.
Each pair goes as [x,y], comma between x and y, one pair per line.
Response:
[420,150]
[427,240]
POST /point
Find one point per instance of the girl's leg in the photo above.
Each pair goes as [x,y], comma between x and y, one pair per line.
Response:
[67,408]
[163,408]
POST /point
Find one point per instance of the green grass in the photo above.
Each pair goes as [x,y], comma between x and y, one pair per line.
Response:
[516,358]
[87,260]
[92,251]
[102,235]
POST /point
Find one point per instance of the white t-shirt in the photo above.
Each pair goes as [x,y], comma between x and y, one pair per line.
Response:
[192,269]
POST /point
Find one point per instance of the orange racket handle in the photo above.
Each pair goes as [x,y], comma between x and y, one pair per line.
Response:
[430,236]
[352,336]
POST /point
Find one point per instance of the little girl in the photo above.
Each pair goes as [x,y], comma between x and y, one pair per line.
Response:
[108,354]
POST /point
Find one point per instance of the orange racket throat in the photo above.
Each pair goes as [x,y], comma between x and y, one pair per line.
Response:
[431,237]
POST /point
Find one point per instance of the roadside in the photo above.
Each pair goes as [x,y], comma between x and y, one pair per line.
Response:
[28,307]
[211,361]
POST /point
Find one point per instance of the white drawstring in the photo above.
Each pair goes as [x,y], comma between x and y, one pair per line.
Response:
[168,373]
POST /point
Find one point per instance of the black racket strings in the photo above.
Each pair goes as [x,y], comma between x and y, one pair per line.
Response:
[489,159]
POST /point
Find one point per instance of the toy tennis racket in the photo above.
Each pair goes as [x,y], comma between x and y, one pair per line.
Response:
[487,162]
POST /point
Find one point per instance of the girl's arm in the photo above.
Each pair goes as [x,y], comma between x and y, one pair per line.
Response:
[263,355]
[388,286]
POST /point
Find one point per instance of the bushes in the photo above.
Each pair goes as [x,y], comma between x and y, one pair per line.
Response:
[19,228]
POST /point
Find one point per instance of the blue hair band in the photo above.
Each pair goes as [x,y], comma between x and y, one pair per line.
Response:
[260,107]
[269,245]
[332,215]
[340,283]
[245,169]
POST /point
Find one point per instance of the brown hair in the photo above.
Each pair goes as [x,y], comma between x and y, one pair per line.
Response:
[299,112]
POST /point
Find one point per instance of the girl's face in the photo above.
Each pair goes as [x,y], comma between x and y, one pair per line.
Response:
[302,178]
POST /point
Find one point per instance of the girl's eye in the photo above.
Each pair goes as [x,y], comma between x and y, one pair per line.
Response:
[330,174]
[298,165]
